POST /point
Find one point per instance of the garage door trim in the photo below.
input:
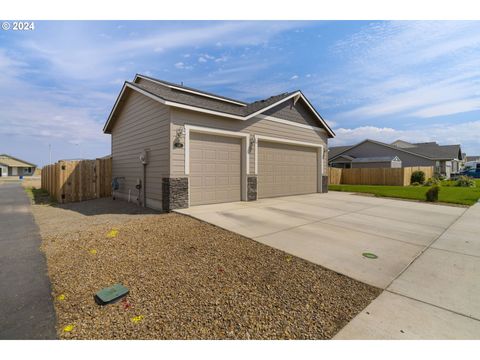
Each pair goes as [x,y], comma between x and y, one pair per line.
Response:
[320,152]
[245,170]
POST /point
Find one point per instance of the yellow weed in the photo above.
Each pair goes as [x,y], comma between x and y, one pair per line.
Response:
[68,328]
[112,233]
[137,319]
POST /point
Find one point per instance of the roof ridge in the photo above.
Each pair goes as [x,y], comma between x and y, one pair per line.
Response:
[184,88]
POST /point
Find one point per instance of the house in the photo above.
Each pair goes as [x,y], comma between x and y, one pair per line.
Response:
[11,166]
[445,159]
[472,158]
[174,146]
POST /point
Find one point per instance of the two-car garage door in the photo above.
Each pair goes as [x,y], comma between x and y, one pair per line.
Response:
[285,169]
[216,169]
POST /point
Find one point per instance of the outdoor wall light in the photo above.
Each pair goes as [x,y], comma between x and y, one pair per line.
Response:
[177,142]
[252,143]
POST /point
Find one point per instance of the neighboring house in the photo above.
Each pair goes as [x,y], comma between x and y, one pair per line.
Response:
[201,148]
[445,159]
[472,158]
[10,166]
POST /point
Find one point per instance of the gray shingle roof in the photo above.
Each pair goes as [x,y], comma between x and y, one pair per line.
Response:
[190,88]
[335,150]
[429,150]
[185,98]
[435,151]
[182,96]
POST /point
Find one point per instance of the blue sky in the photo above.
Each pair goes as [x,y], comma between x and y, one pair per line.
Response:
[418,81]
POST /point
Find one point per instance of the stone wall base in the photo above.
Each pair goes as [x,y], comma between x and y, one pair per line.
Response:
[174,193]
[324,184]
[251,188]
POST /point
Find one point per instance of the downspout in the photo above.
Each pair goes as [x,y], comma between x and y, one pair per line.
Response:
[144,160]
[144,185]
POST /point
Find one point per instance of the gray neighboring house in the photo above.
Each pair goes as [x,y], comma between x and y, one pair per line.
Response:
[11,166]
[446,159]
[184,146]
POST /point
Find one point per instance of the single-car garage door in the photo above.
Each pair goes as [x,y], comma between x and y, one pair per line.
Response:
[286,169]
[215,169]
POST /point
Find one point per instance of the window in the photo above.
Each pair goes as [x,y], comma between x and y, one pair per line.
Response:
[27,170]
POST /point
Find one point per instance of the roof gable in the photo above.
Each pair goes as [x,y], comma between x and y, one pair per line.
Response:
[293,111]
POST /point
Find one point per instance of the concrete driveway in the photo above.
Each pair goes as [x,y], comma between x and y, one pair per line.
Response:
[335,229]
[428,256]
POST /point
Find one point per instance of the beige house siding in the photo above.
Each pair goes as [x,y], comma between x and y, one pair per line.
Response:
[254,126]
[142,123]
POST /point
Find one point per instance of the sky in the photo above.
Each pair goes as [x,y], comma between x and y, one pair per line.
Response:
[382,80]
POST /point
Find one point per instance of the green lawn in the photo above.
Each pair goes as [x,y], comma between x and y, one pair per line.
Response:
[448,192]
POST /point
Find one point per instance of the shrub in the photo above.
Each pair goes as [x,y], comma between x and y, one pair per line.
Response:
[417,177]
[465,181]
[432,193]
[438,176]
[432,181]
[415,184]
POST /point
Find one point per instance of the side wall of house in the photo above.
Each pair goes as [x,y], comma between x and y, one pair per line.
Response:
[384,164]
[369,149]
[254,126]
[141,124]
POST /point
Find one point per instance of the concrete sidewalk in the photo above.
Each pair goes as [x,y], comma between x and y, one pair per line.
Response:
[26,310]
[436,297]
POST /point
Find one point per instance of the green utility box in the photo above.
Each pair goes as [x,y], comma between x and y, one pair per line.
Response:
[110,294]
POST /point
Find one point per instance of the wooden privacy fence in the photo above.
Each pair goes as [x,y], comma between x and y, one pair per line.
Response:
[78,180]
[376,176]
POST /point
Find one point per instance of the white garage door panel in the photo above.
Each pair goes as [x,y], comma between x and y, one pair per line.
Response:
[286,169]
[215,169]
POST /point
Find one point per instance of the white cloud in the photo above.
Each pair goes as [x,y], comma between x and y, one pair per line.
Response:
[76,60]
[221,59]
[181,65]
[201,59]
[294,77]
[448,108]
[422,68]
[46,113]
[465,134]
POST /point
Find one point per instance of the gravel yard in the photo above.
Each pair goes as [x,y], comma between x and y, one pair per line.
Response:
[187,280]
